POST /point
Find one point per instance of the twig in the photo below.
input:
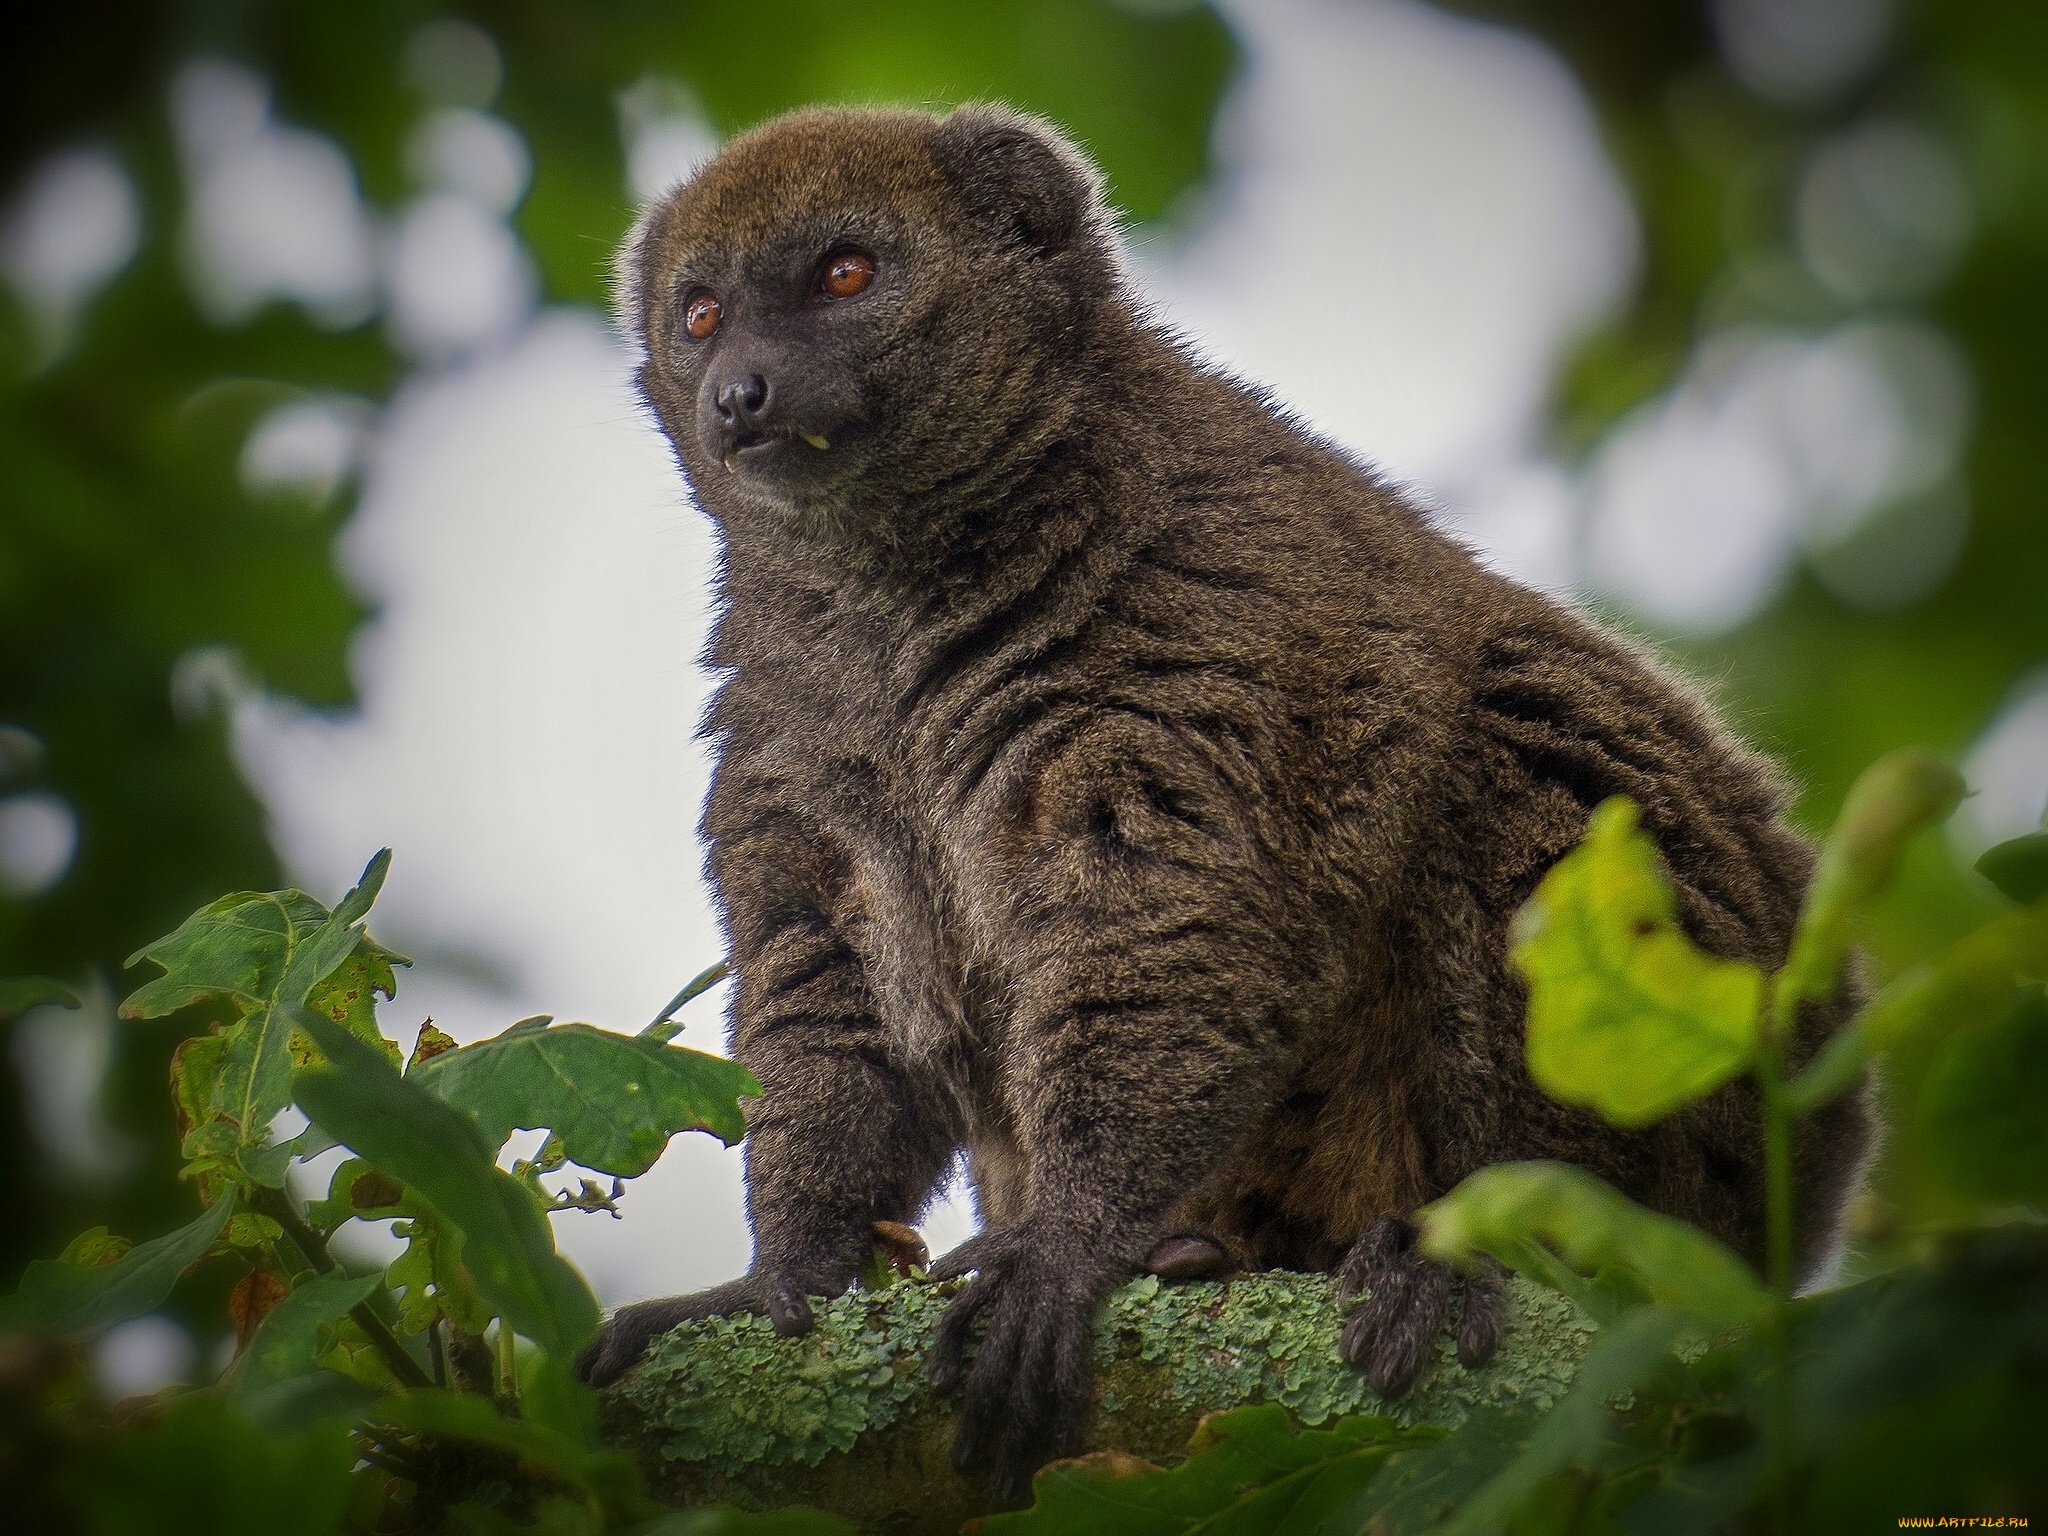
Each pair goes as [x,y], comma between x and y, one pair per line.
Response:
[664,1026]
[312,1250]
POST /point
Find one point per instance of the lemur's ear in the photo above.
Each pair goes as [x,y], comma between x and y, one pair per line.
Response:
[1020,174]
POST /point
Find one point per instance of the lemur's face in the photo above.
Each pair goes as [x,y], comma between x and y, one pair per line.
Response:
[834,306]
[771,338]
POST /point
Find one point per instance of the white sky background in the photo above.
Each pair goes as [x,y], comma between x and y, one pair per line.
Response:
[1410,215]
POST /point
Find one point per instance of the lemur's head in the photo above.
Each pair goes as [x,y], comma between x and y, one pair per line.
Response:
[848,311]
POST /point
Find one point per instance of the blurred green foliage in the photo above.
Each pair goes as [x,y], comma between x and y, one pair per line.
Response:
[1713,173]
[336,1422]
[127,540]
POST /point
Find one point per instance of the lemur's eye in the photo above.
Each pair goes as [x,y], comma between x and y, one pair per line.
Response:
[701,315]
[847,273]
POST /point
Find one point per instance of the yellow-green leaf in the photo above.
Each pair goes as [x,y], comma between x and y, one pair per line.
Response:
[1626,1014]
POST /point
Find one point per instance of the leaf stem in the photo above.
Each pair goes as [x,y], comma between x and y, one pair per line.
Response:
[508,1363]
[1778,1198]
[292,1259]
[312,1251]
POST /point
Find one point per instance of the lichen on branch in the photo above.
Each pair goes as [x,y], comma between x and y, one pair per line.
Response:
[842,1417]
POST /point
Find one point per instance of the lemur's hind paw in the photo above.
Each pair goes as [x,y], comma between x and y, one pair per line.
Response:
[1408,1298]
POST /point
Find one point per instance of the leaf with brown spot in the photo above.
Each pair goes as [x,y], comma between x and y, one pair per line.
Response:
[374,1191]
[432,1042]
[250,1302]
[194,1066]
[93,1247]
[349,997]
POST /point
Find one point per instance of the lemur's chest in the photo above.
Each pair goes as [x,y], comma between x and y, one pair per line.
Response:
[915,817]
[915,911]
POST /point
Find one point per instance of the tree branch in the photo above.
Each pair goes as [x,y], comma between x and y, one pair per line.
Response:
[842,1418]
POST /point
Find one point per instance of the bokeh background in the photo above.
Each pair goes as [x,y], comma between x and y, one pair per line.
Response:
[328,519]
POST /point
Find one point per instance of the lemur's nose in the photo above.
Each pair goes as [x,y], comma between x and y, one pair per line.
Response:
[743,399]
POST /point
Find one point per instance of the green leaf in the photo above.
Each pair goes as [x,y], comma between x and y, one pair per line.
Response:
[1915,1356]
[436,1151]
[288,1340]
[614,1100]
[550,1394]
[353,1356]
[1591,1225]
[1573,1432]
[1964,987]
[1417,1490]
[268,1165]
[1700,1498]
[236,948]
[215,1149]
[356,1189]
[1252,1470]
[265,954]
[18,994]
[2019,867]
[430,1277]
[297,1403]
[211,1151]
[1626,1014]
[1892,801]
[253,948]
[254,1081]
[74,1302]
[1981,1113]
[248,1229]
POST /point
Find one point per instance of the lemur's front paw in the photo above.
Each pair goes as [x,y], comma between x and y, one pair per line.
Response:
[1408,1298]
[1027,1391]
[627,1332]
